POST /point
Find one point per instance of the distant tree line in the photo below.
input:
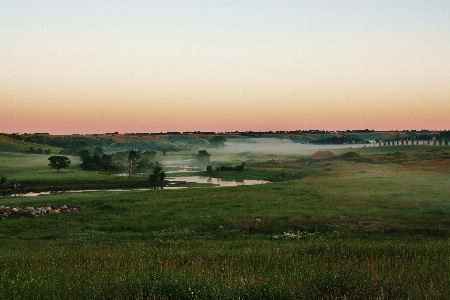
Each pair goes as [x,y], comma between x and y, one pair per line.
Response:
[100,161]
[38,151]
[238,168]
[71,144]
[218,141]
[445,135]
[428,139]
[339,140]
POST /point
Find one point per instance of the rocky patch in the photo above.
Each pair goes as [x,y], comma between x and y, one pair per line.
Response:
[6,212]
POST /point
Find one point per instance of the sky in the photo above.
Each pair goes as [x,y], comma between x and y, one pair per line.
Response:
[95,66]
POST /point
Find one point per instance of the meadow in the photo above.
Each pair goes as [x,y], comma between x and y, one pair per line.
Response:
[371,225]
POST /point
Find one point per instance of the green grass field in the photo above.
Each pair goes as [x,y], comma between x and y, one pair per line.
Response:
[372,226]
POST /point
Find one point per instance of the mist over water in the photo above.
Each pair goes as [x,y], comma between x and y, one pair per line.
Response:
[279,146]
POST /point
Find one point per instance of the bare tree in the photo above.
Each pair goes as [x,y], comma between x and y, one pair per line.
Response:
[133,158]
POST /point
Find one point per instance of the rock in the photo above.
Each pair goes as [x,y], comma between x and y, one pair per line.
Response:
[35,212]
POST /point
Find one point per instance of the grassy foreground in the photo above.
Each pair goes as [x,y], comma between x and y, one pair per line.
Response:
[372,227]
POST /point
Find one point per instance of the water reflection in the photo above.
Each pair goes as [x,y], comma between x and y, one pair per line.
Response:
[213,181]
[174,183]
[32,194]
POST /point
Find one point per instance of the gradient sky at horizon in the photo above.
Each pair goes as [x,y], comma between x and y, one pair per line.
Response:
[83,66]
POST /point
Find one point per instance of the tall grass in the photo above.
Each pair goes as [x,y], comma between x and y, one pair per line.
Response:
[227,270]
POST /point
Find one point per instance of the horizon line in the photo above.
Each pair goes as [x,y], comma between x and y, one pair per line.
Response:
[236,132]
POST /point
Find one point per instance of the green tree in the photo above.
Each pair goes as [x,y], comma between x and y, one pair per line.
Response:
[203,156]
[143,163]
[98,150]
[107,162]
[217,142]
[97,161]
[150,154]
[445,134]
[209,169]
[87,159]
[146,159]
[157,178]
[59,162]
[121,157]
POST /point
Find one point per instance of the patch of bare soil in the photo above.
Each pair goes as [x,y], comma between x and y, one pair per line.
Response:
[322,155]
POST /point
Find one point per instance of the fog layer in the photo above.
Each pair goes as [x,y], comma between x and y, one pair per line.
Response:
[278,146]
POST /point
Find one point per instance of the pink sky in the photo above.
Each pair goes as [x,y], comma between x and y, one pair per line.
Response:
[91,67]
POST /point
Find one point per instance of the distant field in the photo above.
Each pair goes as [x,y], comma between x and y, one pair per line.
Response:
[371,224]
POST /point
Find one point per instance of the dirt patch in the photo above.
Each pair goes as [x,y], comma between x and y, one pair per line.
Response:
[322,155]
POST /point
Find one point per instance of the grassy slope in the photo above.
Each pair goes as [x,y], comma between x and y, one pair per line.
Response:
[8,144]
[367,230]
[405,194]
[381,195]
